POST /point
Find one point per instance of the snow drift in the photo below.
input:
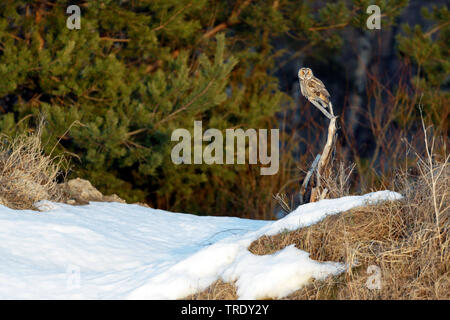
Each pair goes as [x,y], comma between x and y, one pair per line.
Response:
[122,251]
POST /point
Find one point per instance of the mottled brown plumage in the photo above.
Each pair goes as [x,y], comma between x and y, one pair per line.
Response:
[312,88]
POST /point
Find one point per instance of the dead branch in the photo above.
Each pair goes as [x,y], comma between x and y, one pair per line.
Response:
[324,166]
[321,108]
[308,177]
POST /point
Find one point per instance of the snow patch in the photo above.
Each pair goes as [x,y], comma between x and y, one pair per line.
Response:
[276,275]
[45,205]
[122,251]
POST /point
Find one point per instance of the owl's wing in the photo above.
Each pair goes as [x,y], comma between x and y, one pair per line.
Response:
[318,87]
[302,88]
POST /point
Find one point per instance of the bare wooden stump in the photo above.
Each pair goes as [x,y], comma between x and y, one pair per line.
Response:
[325,164]
[322,165]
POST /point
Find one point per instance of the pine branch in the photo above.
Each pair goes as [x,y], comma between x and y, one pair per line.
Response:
[187,105]
[232,20]
[161,26]
[114,39]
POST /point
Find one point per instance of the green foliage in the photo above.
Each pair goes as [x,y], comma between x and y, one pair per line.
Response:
[112,92]
[428,51]
[115,89]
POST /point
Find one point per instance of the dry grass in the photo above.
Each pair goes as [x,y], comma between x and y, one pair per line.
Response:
[27,175]
[337,183]
[407,240]
[219,290]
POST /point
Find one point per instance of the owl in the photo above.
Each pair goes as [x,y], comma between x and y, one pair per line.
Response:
[313,89]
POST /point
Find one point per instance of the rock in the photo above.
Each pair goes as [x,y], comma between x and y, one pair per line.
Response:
[80,191]
[113,198]
[142,204]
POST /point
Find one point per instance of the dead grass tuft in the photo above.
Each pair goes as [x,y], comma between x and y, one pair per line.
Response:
[407,240]
[337,183]
[219,290]
[27,175]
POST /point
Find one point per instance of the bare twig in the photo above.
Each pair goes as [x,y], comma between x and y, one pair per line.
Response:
[433,178]
[325,112]
[282,200]
[308,176]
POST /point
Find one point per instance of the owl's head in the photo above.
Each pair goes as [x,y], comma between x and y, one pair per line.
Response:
[305,74]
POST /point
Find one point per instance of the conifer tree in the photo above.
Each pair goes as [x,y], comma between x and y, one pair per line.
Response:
[113,91]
